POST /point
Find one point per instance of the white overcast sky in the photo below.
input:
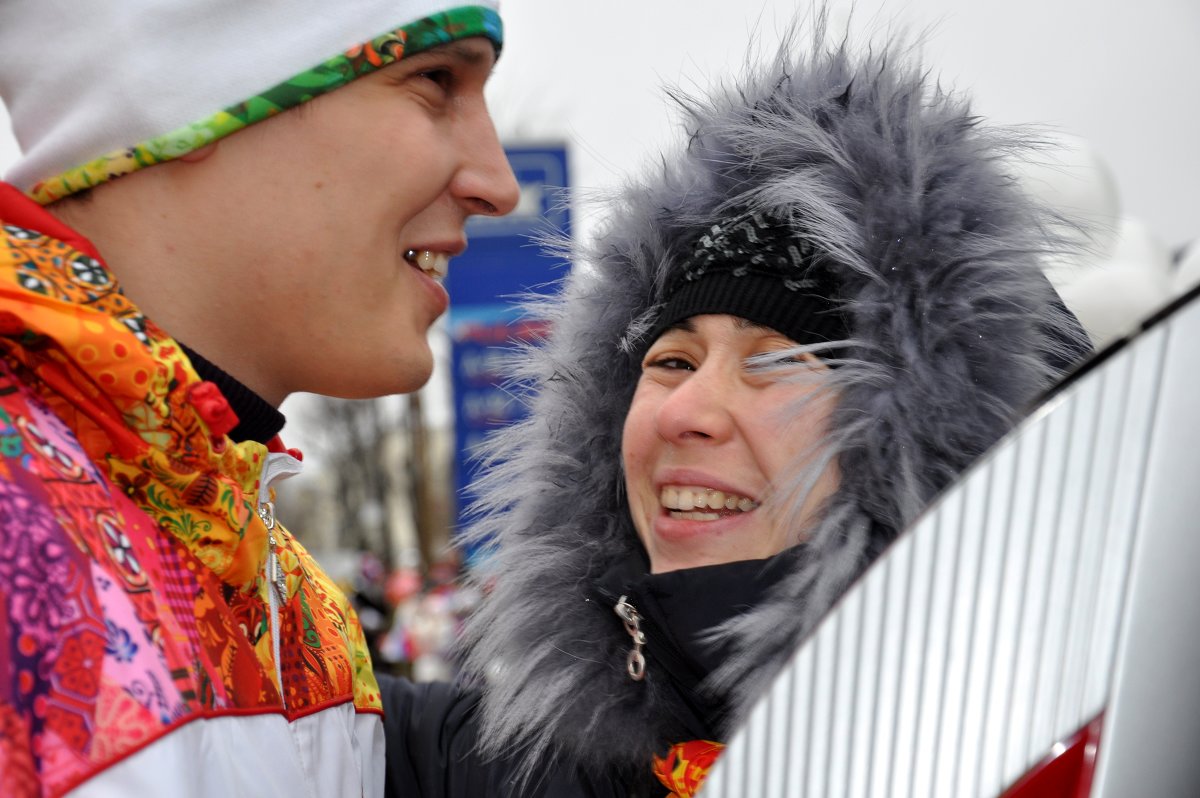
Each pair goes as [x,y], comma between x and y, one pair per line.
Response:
[1123,75]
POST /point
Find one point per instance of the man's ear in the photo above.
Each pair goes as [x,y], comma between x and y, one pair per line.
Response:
[196,156]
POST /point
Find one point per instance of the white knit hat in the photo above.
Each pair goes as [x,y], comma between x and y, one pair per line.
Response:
[101,88]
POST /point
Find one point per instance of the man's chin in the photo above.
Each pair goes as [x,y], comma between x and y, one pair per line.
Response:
[413,374]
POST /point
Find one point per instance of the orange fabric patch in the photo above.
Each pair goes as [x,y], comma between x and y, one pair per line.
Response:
[686,765]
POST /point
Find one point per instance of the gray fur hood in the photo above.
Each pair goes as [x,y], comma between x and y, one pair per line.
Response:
[954,332]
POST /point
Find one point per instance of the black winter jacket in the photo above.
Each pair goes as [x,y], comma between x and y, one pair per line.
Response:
[432,728]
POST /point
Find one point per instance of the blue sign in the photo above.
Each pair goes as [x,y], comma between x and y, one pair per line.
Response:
[503,262]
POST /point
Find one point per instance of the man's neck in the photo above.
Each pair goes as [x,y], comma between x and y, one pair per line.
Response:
[148,238]
[257,419]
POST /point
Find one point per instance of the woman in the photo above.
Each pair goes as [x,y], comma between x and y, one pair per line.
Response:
[786,341]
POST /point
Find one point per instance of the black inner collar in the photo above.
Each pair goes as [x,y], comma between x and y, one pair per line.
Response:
[257,419]
[680,609]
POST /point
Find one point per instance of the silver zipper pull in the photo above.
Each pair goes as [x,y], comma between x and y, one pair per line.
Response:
[275,575]
[635,663]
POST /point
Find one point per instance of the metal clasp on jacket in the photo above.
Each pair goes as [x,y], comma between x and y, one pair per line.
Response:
[635,663]
[275,575]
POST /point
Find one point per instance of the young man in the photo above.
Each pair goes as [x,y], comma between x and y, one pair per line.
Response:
[272,187]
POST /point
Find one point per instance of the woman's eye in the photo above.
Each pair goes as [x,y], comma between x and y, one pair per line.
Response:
[775,357]
[781,355]
[673,363]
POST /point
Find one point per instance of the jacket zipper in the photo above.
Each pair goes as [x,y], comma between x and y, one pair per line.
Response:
[276,588]
[664,654]
[635,662]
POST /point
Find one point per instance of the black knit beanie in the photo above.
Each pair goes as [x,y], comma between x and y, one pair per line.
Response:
[754,266]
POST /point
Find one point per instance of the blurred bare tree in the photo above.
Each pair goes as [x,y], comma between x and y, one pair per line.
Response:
[431,481]
[382,489]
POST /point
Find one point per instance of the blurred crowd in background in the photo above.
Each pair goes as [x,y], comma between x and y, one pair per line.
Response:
[410,614]
[1127,270]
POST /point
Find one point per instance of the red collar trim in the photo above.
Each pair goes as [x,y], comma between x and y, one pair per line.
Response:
[20,210]
[276,446]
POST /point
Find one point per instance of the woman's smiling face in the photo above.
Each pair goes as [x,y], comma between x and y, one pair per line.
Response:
[708,437]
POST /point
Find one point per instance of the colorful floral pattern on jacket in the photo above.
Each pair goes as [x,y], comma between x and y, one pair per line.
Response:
[686,766]
[132,589]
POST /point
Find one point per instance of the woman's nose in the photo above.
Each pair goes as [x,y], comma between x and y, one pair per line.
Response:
[698,409]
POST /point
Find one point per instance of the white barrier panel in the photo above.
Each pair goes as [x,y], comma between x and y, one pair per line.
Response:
[1056,582]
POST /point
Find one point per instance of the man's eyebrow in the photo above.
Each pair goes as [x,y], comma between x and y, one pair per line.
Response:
[474,55]
[469,55]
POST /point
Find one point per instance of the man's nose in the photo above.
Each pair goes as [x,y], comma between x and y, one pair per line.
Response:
[485,184]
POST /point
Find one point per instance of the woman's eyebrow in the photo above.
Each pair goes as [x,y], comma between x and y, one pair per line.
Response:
[746,324]
[684,325]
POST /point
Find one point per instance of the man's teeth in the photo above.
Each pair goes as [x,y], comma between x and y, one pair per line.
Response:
[699,504]
[435,264]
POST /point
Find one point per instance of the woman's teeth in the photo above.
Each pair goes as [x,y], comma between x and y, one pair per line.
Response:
[435,264]
[703,504]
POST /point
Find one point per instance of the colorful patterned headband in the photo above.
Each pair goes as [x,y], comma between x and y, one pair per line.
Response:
[133,83]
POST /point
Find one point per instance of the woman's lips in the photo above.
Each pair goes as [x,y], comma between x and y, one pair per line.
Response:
[703,503]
